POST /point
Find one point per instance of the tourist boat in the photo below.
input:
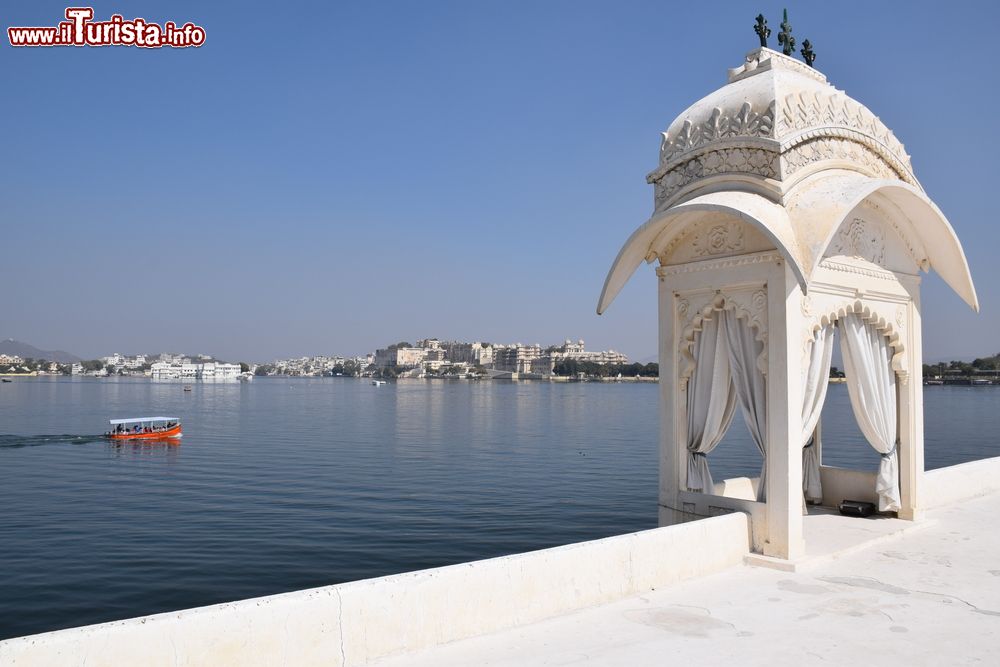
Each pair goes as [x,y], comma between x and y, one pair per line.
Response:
[378,383]
[145,428]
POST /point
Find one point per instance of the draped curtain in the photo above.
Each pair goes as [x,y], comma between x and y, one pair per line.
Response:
[813,395]
[711,402]
[871,384]
[750,384]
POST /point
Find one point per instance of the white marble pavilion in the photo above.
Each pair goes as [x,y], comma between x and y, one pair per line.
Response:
[787,216]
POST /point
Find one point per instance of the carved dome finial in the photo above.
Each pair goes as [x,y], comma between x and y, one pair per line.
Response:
[785,37]
[807,53]
[763,32]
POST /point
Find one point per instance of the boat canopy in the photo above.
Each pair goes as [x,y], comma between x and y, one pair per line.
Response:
[139,420]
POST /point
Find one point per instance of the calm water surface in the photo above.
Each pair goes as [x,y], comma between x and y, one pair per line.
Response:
[286,484]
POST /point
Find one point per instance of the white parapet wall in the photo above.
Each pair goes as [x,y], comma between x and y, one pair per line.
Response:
[962,482]
[353,623]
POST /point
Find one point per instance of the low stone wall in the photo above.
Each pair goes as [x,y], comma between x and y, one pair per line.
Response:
[962,482]
[352,623]
[695,505]
[845,484]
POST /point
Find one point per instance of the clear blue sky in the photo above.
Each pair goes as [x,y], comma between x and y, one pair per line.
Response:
[331,177]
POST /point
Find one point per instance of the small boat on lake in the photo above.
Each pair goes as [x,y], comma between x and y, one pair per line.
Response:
[145,428]
[378,383]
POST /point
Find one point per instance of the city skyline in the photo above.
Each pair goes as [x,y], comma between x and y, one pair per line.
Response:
[459,171]
[151,354]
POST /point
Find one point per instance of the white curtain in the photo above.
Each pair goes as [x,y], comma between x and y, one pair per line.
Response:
[814,394]
[711,402]
[750,383]
[872,387]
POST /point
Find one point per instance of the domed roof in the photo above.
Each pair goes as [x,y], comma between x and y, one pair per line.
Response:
[774,123]
[781,149]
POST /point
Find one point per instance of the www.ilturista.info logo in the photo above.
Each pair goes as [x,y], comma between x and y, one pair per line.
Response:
[81,30]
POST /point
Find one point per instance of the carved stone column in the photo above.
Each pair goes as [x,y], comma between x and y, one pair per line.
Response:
[784,416]
[672,448]
[911,414]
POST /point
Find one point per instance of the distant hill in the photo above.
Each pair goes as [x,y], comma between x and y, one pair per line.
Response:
[25,351]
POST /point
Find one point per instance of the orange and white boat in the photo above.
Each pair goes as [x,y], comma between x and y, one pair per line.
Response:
[145,428]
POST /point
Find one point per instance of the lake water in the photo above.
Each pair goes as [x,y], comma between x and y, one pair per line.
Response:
[285,484]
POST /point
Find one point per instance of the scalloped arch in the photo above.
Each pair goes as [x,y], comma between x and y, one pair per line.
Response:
[882,324]
[754,314]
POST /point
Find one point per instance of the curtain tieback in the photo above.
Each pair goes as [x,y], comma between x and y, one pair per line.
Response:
[895,446]
[812,441]
[702,454]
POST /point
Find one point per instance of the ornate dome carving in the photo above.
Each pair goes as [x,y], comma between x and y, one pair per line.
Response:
[787,158]
[775,123]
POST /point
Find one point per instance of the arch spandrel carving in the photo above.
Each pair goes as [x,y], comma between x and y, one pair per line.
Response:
[714,235]
[868,234]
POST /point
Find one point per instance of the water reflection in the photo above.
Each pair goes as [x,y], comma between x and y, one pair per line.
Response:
[162,448]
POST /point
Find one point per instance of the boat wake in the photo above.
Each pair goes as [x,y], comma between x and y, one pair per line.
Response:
[9,441]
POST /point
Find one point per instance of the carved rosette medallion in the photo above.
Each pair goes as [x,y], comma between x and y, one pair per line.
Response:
[719,239]
[806,305]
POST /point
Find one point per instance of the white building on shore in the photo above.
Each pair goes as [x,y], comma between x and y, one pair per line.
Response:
[400,358]
[209,372]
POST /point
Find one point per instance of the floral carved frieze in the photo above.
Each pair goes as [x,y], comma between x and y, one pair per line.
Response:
[807,110]
[837,148]
[721,124]
[757,161]
[723,263]
[880,274]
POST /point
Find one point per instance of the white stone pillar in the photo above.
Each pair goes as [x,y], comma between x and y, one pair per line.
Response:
[911,415]
[670,442]
[785,328]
